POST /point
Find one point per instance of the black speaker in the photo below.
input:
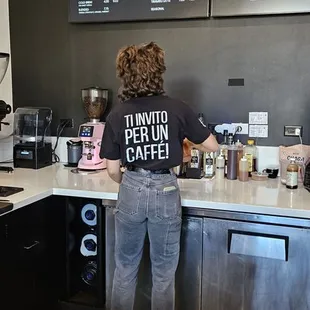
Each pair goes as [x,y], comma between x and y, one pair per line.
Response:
[85,252]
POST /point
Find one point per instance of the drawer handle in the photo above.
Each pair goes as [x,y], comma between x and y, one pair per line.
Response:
[259,245]
[31,246]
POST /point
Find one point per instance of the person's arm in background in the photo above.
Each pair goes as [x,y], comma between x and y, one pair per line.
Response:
[197,134]
[110,150]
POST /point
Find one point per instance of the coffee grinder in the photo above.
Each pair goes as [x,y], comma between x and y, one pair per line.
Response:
[4,108]
[95,101]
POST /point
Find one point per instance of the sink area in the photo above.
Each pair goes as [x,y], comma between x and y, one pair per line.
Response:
[6,191]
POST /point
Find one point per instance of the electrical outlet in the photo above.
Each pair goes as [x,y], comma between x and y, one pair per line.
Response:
[68,122]
[293,131]
[242,128]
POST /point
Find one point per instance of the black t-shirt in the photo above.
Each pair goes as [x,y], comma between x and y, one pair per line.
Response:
[148,132]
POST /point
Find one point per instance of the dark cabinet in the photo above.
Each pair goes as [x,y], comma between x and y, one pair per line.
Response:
[258,7]
[32,260]
[85,228]
[255,266]
[188,277]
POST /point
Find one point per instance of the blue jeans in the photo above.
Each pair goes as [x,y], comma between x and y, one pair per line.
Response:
[147,203]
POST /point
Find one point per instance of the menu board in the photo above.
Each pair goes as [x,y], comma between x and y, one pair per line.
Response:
[88,11]
[258,7]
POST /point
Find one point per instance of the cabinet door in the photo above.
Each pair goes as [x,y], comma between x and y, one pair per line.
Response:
[255,266]
[33,265]
[258,7]
[188,277]
[19,260]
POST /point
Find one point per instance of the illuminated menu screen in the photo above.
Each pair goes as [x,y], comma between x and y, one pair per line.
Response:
[88,11]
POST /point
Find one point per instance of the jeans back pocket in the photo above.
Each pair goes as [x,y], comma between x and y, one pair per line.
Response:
[128,199]
[168,203]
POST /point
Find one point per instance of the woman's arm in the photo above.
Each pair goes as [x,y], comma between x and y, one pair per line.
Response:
[114,170]
[209,145]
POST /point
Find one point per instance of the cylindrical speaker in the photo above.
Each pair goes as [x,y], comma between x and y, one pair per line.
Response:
[89,245]
[89,273]
[85,250]
[89,214]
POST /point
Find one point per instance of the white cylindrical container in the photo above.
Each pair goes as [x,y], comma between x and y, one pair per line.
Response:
[220,167]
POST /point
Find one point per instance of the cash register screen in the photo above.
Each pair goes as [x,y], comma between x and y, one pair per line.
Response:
[89,11]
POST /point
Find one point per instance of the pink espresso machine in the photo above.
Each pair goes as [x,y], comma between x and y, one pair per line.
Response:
[95,102]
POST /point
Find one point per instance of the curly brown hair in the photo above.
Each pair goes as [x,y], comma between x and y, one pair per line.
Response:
[140,69]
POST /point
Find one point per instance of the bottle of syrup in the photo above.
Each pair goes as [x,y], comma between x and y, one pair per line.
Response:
[250,152]
[224,150]
[292,175]
[209,165]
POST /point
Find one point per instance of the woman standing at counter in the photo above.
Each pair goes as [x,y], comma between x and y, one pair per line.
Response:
[145,134]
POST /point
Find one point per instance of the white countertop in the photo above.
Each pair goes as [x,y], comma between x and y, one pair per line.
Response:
[268,197]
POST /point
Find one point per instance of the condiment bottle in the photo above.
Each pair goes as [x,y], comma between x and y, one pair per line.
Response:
[195,159]
[208,165]
[220,167]
[243,169]
[230,139]
[292,175]
[232,159]
[239,146]
[250,152]
[223,149]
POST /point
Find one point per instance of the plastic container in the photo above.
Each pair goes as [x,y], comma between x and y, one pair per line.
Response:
[259,176]
[243,170]
[250,152]
[220,167]
[74,152]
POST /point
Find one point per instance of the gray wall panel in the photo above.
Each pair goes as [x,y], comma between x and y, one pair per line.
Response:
[53,60]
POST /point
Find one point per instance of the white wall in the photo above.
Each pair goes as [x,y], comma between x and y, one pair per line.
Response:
[6,85]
